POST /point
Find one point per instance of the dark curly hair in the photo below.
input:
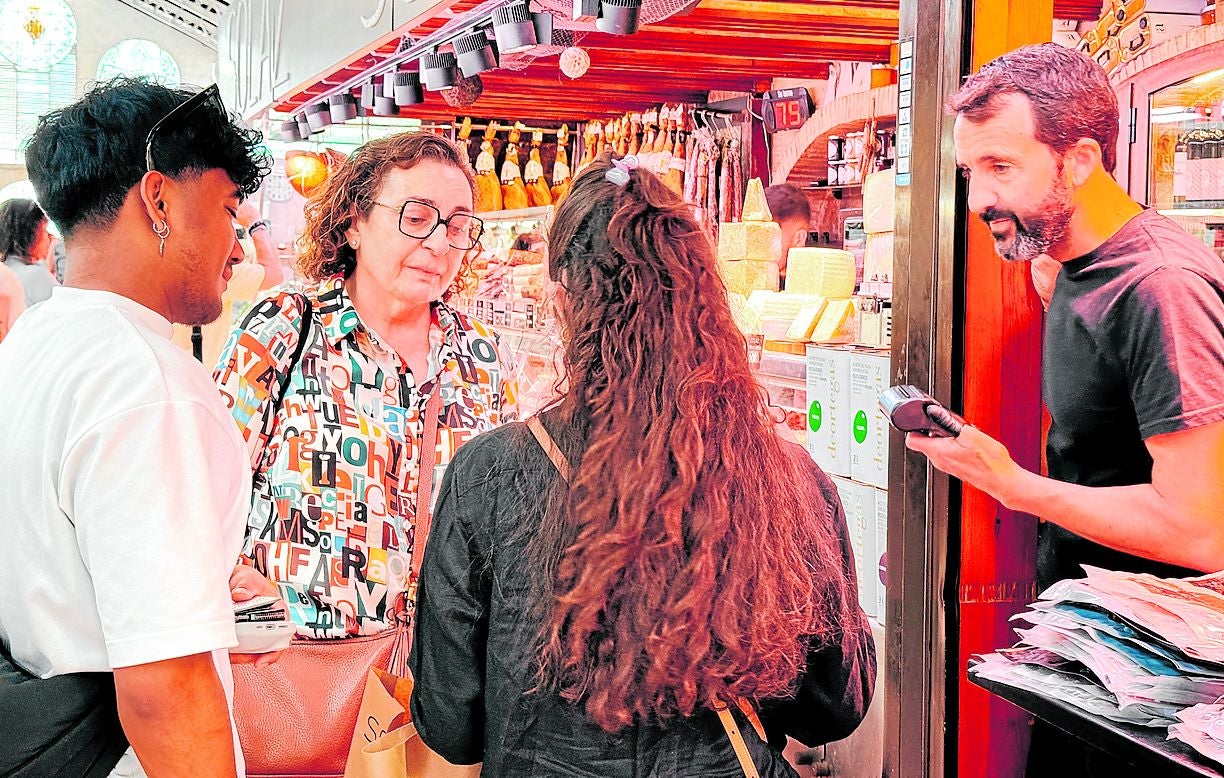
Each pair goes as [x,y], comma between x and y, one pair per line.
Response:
[1070,95]
[349,193]
[681,566]
[19,220]
[85,158]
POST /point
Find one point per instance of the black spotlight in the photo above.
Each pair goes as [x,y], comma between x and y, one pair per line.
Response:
[289,131]
[385,106]
[408,88]
[303,126]
[318,115]
[439,71]
[618,17]
[343,107]
[368,91]
[513,28]
[475,54]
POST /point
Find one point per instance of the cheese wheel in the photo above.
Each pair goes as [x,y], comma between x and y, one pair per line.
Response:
[820,271]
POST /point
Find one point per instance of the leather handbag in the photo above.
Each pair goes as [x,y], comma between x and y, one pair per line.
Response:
[724,713]
[294,717]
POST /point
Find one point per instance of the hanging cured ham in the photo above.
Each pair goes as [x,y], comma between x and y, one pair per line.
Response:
[561,168]
[514,191]
[488,187]
[538,191]
[674,177]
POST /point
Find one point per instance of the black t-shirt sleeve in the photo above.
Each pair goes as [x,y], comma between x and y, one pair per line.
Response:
[1169,340]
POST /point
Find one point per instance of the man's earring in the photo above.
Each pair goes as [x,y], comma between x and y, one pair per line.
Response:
[162,230]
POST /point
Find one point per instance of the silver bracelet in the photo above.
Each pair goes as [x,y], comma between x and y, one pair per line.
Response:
[264,223]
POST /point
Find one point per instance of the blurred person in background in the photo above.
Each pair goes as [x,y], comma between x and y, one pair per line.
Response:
[793,213]
[260,269]
[12,299]
[26,244]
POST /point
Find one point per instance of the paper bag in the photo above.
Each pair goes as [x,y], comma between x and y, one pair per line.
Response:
[385,742]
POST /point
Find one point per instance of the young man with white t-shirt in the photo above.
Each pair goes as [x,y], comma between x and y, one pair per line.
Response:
[126,484]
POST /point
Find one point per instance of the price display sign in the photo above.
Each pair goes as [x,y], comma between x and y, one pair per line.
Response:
[786,109]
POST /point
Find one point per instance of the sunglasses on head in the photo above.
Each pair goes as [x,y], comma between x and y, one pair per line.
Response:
[178,115]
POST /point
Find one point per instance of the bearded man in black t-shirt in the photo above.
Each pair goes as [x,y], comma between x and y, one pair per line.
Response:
[1133,366]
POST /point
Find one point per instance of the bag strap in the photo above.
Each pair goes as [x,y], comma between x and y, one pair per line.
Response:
[550,447]
[406,601]
[425,473]
[737,742]
[286,375]
[724,714]
[197,343]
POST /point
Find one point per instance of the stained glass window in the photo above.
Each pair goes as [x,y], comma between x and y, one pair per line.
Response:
[139,57]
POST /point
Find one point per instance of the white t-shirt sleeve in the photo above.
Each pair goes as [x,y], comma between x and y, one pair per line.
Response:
[147,490]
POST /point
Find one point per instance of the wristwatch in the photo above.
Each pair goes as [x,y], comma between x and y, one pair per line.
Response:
[262,223]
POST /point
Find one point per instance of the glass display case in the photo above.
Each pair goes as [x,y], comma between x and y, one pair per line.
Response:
[1186,153]
[1171,100]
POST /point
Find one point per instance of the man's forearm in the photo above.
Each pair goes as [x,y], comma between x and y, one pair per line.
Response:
[175,715]
[1132,519]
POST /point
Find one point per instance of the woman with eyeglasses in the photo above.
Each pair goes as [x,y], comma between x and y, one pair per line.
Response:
[352,394]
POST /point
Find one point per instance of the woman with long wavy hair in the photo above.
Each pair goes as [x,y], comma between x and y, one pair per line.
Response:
[692,560]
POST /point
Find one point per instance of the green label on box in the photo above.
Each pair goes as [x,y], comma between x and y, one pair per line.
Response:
[815,414]
[860,426]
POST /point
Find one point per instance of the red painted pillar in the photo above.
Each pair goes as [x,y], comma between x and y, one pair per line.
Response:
[1002,394]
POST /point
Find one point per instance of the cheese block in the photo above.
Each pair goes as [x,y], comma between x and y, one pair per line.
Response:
[806,320]
[747,318]
[820,271]
[756,205]
[527,271]
[878,259]
[834,319]
[784,347]
[880,202]
[746,276]
[760,241]
[779,305]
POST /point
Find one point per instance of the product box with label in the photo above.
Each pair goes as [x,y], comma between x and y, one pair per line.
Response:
[880,572]
[828,400]
[869,373]
[859,503]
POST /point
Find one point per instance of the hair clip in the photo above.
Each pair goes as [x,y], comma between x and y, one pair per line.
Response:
[619,172]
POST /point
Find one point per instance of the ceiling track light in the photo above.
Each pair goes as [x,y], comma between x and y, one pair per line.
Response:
[543,23]
[439,71]
[408,89]
[303,126]
[289,131]
[475,53]
[368,91]
[514,28]
[343,107]
[619,17]
[318,115]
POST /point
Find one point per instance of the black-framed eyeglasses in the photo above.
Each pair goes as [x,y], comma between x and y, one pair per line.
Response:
[180,113]
[418,220]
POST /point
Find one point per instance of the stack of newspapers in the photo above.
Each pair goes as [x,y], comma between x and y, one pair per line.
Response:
[1128,647]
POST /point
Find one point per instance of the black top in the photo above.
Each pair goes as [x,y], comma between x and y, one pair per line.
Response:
[1134,347]
[473,646]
